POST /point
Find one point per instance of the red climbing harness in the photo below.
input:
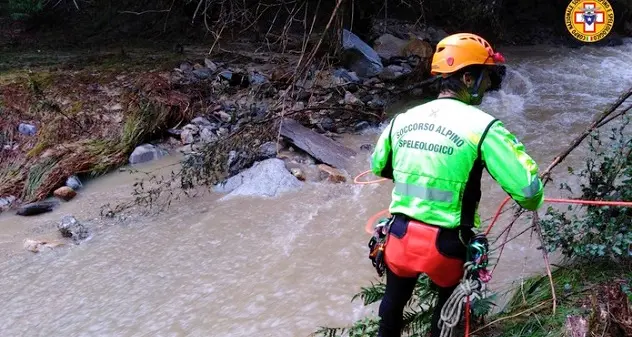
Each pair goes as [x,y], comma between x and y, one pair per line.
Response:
[417,252]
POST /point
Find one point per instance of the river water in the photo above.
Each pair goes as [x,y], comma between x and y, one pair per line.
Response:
[273,267]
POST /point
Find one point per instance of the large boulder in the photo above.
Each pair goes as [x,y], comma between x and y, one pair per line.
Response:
[69,227]
[145,153]
[388,46]
[267,178]
[361,58]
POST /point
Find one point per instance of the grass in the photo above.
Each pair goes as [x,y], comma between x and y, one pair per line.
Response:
[582,290]
[55,91]
[59,153]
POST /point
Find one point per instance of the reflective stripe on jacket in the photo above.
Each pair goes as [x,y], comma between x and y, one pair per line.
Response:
[435,153]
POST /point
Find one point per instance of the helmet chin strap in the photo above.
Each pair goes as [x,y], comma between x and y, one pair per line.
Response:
[474,91]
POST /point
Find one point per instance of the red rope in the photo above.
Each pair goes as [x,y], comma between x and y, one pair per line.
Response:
[369,225]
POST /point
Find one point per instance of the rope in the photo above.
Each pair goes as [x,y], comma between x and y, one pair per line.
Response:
[357,180]
[453,307]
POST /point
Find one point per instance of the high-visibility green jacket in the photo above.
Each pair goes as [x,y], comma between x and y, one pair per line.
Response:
[435,154]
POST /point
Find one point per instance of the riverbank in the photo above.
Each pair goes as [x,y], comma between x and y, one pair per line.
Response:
[86,114]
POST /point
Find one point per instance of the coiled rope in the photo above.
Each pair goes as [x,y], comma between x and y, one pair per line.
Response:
[453,307]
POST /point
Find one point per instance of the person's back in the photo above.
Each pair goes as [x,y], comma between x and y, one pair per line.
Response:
[439,151]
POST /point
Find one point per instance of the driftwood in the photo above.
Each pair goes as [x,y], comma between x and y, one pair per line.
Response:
[317,145]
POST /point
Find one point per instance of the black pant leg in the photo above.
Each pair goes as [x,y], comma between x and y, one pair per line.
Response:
[443,295]
[398,291]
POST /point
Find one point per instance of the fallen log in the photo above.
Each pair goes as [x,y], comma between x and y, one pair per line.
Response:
[318,146]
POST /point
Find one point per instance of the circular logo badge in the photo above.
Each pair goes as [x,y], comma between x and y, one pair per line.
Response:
[589,21]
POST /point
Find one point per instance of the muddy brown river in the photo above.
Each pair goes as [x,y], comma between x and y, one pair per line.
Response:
[273,266]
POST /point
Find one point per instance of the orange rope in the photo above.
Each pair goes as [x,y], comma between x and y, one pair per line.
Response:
[357,181]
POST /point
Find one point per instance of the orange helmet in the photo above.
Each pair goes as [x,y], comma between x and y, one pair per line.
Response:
[460,50]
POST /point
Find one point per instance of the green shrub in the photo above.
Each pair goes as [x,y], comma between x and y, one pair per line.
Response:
[598,231]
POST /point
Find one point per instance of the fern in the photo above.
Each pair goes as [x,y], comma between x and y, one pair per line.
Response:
[483,306]
[371,294]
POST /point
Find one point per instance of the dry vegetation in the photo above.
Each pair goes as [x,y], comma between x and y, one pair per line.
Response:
[87,123]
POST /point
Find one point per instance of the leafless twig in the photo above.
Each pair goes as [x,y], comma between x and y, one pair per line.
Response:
[146,12]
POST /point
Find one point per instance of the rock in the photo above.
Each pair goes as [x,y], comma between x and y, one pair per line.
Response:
[208,136]
[351,99]
[327,124]
[388,46]
[223,116]
[391,72]
[74,183]
[222,132]
[36,208]
[145,153]
[362,125]
[267,178]
[298,173]
[376,102]
[419,48]
[35,246]
[186,67]
[256,78]
[292,156]
[187,136]
[69,227]
[226,74]
[201,121]
[435,34]
[65,193]
[174,132]
[372,81]
[347,75]
[298,106]
[27,129]
[203,73]
[236,162]
[333,175]
[5,202]
[363,60]
[193,128]
[210,64]
[267,150]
